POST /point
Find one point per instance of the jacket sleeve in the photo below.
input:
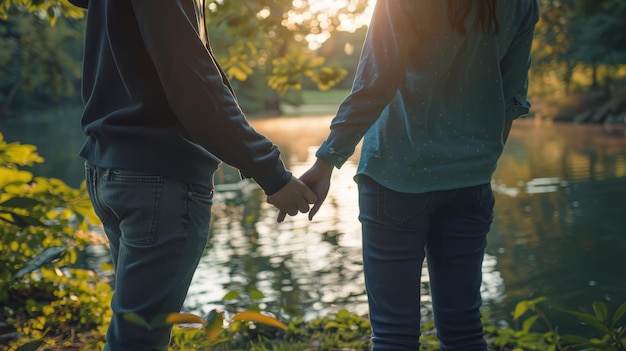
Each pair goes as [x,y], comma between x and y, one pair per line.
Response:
[200,95]
[515,64]
[391,36]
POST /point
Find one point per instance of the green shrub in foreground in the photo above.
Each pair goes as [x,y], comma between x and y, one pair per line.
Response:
[43,223]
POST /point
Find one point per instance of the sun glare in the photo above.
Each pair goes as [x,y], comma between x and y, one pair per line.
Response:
[320,11]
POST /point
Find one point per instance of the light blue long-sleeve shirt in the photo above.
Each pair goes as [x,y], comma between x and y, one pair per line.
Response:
[431,104]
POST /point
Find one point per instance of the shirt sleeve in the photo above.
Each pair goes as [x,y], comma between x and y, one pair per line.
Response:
[391,36]
[515,64]
[199,93]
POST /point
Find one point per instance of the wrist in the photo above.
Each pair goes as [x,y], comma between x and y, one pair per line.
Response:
[323,164]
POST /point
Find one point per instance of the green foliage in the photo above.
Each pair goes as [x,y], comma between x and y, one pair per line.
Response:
[212,332]
[612,332]
[289,70]
[48,9]
[253,331]
[267,41]
[42,42]
[39,63]
[524,337]
[579,45]
[43,222]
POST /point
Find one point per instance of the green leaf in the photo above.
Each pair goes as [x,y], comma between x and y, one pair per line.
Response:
[528,323]
[137,320]
[520,309]
[618,314]
[538,300]
[256,294]
[215,324]
[586,318]
[31,346]
[231,295]
[332,325]
[20,202]
[24,221]
[51,13]
[599,308]
[575,340]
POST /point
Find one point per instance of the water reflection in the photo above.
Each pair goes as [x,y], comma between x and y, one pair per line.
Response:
[298,266]
[559,229]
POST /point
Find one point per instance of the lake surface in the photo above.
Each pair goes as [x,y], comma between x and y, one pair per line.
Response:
[559,228]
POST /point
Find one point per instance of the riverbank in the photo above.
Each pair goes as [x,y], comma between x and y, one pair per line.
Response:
[588,107]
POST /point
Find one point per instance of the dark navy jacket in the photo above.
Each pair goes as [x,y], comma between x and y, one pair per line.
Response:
[157,101]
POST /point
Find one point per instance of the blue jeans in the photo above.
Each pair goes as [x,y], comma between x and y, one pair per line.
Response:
[157,230]
[449,229]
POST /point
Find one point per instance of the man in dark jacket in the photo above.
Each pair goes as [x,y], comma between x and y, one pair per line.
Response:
[159,116]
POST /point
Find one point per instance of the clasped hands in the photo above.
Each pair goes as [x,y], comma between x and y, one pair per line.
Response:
[298,194]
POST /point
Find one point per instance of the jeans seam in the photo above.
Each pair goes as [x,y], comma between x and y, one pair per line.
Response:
[155,215]
[115,175]
[97,201]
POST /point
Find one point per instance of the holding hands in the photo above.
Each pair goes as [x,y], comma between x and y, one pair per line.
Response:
[316,181]
[293,197]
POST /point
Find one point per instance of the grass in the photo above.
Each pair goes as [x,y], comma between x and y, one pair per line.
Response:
[316,103]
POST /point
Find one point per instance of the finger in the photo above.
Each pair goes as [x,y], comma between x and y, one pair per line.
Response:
[314,210]
[310,196]
[281,216]
[293,211]
[303,206]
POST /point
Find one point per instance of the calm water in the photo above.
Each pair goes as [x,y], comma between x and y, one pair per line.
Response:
[559,229]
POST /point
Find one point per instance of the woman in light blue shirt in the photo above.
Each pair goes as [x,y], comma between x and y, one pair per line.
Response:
[438,86]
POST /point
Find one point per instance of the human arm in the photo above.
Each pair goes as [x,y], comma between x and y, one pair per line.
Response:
[506,131]
[514,67]
[198,92]
[382,66]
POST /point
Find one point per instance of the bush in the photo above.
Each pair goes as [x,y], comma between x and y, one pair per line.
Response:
[43,223]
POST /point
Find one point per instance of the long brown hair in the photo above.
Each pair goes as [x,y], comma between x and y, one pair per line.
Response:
[458,10]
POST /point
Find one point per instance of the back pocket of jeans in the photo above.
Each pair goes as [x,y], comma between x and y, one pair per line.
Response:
[134,198]
[401,208]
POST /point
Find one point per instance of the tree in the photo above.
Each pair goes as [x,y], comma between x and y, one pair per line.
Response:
[574,35]
[270,38]
[50,9]
[598,35]
[41,55]
[262,38]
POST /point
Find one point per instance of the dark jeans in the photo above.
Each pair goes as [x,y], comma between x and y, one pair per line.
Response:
[449,228]
[157,229]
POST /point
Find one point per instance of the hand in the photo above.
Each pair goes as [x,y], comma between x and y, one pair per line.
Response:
[317,178]
[293,197]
